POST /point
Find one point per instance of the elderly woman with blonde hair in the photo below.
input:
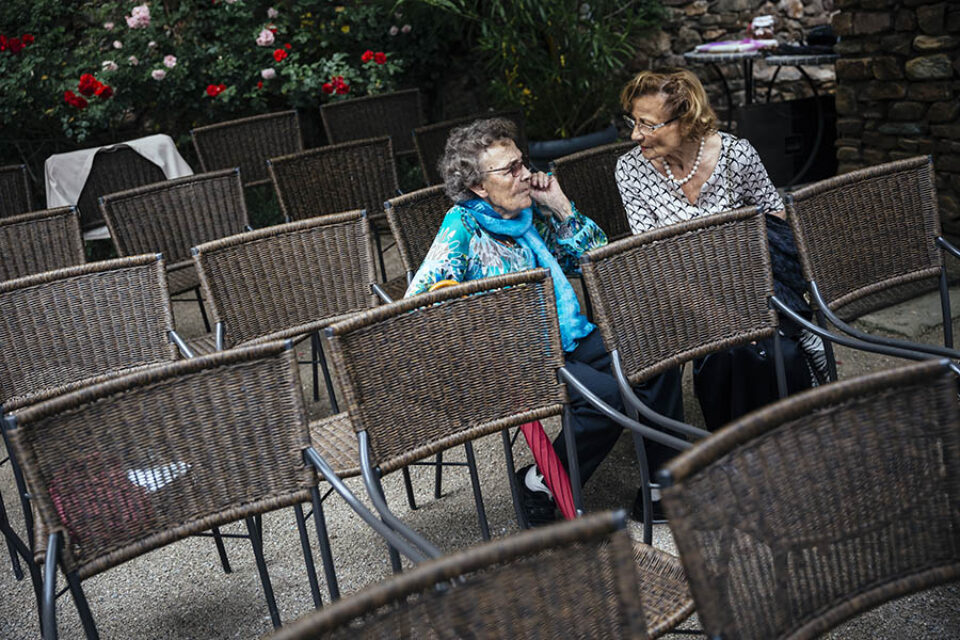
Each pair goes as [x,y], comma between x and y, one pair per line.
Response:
[684,168]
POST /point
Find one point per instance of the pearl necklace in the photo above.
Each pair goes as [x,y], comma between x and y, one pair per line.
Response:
[696,164]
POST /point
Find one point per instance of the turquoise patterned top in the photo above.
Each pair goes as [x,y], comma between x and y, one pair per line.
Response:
[463,250]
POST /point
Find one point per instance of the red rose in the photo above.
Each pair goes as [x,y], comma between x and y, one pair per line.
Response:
[367,56]
[343,88]
[104,91]
[74,100]
[272,29]
[288,46]
[327,87]
[3,42]
[221,88]
[212,90]
[260,84]
[279,55]
[27,38]
[88,85]
[69,97]
[15,45]
[380,57]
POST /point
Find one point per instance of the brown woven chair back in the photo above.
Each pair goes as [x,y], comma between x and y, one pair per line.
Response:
[682,291]
[414,220]
[353,175]
[40,241]
[867,238]
[247,143]
[172,216]
[587,177]
[431,140]
[289,279]
[138,462]
[114,169]
[576,579]
[393,114]
[15,195]
[70,327]
[432,371]
[821,506]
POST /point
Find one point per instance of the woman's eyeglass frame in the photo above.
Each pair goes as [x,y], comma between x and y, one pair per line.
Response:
[643,126]
[514,169]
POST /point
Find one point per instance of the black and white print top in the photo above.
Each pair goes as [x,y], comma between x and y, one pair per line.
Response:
[652,200]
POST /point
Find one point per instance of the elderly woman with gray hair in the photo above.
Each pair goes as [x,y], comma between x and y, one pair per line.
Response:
[508,219]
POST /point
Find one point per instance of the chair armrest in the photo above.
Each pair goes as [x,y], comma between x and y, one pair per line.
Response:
[185,351]
[370,482]
[947,246]
[313,457]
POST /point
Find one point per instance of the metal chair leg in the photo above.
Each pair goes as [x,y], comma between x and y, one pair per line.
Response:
[221,550]
[83,608]
[477,496]
[394,554]
[203,310]
[320,522]
[408,485]
[512,475]
[262,569]
[438,478]
[308,557]
[315,350]
[48,606]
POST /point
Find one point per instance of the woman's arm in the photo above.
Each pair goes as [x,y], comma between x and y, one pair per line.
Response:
[447,257]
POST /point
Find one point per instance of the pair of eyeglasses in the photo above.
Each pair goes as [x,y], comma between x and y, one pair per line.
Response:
[649,128]
[515,168]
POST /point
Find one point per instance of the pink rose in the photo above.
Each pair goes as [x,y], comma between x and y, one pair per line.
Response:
[169,61]
[109,65]
[406,28]
[158,74]
[268,74]
[108,26]
[133,60]
[266,38]
[272,13]
[393,30]
[151,45]
[117,44]
[139,18]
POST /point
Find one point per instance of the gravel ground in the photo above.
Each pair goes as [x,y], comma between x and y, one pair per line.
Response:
[181,592]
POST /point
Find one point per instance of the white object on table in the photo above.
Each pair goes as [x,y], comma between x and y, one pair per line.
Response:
[66,173]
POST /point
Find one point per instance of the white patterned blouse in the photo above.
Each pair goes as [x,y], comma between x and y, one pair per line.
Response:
[652,200]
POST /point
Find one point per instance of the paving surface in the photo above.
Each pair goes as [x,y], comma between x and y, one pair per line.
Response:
[181,592]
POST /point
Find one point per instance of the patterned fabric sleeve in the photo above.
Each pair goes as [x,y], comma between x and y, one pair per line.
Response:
[568,240]
[757,188]
[447,257]
[628,181]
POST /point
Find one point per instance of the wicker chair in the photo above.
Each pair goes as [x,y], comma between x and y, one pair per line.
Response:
[389,114]
[172,216]
[40,241]
[130,465]
[431,140]
[353,175]
[568,580]
[588,178]
[114,169]
[783,529]
[869,239]
[247,143]
[414,220]
[73,327]
[449,341]
[15,194]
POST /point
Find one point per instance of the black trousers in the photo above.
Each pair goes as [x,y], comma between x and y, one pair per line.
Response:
[595,433]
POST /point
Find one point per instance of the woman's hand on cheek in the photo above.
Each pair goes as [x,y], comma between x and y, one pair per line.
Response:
[546,191]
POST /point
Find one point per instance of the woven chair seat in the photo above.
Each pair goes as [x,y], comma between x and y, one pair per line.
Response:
[335,439]
[182,280]
[666,596]
[203,345]
[396,287]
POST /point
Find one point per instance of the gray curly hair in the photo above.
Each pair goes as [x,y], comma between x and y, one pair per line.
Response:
[460,165]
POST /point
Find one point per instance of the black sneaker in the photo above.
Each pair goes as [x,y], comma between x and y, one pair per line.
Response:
[659,517]
[537,504]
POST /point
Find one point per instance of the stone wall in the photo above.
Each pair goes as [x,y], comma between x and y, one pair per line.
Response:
[898,89]
[692,22]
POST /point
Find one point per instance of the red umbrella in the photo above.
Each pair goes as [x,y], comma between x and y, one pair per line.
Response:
[554,475]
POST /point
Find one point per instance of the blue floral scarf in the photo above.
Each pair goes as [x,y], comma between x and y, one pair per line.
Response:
[573,325]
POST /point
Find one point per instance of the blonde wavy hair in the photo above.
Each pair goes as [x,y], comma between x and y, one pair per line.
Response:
[682,94]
